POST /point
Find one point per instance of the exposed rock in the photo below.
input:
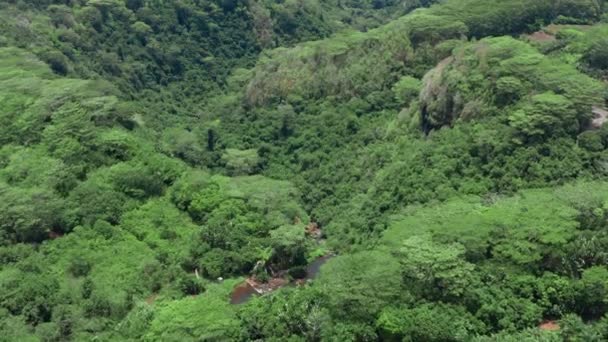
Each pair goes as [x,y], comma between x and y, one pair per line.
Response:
[437,104]
[541,36]
[549,326]
[271,285]
[314,231]
[600,117]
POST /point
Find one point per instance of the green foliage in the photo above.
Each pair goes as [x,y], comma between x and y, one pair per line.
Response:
[594,288]
[451,93]
[183,144]
[407,89]
[28,215]
[547,113]
[499,18]
[288,314]
[586,45]
[597,54]
[162,227]
[241,162]
[521,229]
[528,335]
[429,322]
[358,286]
[260,213]
[78,162]
[151,150]
[580,9]
[430,268]
[206,317]
[337,66]
[508,90]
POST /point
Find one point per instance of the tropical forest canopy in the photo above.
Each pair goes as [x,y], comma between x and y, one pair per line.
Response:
[449,158]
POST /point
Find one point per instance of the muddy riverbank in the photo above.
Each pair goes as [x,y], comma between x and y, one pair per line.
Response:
[249,288]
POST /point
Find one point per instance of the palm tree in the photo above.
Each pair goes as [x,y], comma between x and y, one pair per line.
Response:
[264,255]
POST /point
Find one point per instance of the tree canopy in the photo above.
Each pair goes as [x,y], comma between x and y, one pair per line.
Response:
[383,170]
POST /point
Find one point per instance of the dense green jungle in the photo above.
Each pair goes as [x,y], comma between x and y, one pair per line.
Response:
[304,170]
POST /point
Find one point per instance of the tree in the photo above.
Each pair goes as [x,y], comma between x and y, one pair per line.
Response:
[289,244]
[435,271]
[574,329]
[95,200]
[407,89]
[429,322]
[588,10]
[28,215]
[32,295]
[288,314]
[187,188]
[142,30]
[206,317]
[593,302]
[501,309]
[58,62]
[183,144]
[597,54]
[264,257]
[358,286]
[241,162]
[546,114]
[288,119]
[508,90]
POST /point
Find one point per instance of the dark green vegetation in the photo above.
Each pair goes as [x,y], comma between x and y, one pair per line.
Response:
[148,148]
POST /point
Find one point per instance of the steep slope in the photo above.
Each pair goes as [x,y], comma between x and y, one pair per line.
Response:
[93,219]
[154,153]
[341,116]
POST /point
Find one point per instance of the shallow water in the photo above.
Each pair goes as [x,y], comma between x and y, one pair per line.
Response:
[312,271]
[244,292]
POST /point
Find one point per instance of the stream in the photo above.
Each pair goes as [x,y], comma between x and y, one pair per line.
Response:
[244,292]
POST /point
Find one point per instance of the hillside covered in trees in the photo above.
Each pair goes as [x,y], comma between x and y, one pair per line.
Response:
[380,170]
